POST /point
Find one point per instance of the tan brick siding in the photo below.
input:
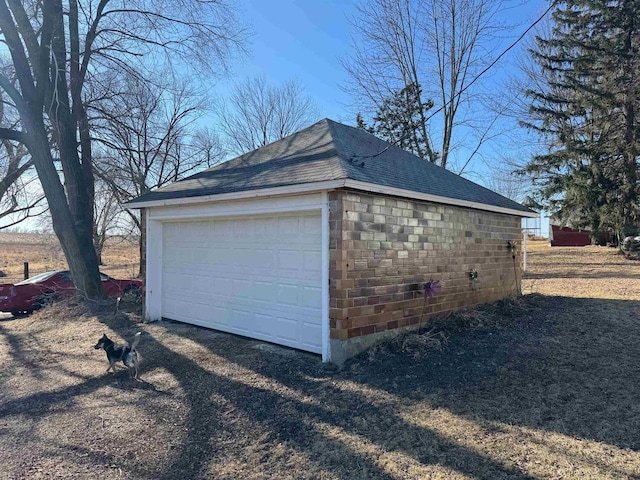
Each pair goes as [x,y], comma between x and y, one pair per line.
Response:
[383,249]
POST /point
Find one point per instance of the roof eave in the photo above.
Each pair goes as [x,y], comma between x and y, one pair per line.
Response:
[400,192]
[329,185]
[243,194]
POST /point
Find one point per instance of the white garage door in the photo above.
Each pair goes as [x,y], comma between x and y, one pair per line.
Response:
[259,277]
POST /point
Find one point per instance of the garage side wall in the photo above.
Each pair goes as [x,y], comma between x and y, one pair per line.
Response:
[383,249]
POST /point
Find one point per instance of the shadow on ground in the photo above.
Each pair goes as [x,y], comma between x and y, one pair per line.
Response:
[290,399]
[566,367]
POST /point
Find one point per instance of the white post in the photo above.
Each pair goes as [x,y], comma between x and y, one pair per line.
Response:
[153,278]
[326,348]
[524,255]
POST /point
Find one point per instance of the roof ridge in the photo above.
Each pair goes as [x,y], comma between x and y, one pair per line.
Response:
[331,124]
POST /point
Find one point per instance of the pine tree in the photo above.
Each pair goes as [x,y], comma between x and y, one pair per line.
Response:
[398,119]
[588,113]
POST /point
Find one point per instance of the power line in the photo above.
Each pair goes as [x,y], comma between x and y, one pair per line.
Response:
[485,70]
[497,59]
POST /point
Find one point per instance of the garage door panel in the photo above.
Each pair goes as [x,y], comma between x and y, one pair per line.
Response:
[311,261]
[288,294]
[311,228]
[199,311]
[310,333]
[311,298]
[258,277]
[200,284]
[264,291]
[219,315]
[288,226]
[289,259]
[240,321]
[180,282]
[284,328]
[241,288]
[262,258]
[262,307]
[263,324]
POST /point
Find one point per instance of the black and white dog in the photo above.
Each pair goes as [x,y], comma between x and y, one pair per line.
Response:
[116,353]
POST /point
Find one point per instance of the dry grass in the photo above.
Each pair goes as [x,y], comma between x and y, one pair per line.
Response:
[43,252]
[582,272]
[544,387]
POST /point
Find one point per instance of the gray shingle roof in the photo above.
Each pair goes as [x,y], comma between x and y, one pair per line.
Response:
[329,151]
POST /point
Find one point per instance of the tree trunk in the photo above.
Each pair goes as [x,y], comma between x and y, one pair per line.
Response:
[83,262]
[84,268]
[98,244]
[630,156]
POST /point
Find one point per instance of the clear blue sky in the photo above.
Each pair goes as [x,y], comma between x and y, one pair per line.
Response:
[304,39]
[300,39]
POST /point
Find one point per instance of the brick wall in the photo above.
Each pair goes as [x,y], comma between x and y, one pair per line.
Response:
[383,249]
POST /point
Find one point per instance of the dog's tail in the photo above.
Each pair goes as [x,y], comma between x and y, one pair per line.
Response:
[136,339]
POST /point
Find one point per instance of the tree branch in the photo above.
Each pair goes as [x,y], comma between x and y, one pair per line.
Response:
[9,134]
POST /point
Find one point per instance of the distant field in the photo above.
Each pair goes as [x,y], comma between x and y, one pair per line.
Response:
[581,272]
[43,252]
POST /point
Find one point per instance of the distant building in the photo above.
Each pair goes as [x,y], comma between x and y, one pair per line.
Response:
[568,237]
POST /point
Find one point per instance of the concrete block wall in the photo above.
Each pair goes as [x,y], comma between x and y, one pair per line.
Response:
[383,249]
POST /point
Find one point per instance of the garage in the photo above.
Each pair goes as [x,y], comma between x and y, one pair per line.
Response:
[256,276]
[325,241]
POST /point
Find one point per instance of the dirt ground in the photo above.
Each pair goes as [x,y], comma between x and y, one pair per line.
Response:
[543,386]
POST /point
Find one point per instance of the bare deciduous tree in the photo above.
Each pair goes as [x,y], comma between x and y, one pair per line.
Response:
[387,58]
[258,114]
[56,49]
[19,201]
[148,139]
[438,44]
[15,199]
[460,32]
[108,215]
[508,184]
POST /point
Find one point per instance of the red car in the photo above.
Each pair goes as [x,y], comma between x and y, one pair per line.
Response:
[35,292]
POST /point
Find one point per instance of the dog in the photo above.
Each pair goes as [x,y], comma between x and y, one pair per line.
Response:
[115,353]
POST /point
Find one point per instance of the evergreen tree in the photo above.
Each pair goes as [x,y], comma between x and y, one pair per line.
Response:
[398,119]
[588,113]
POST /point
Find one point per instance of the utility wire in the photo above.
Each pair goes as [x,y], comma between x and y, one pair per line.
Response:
[485,70]
[497,59]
